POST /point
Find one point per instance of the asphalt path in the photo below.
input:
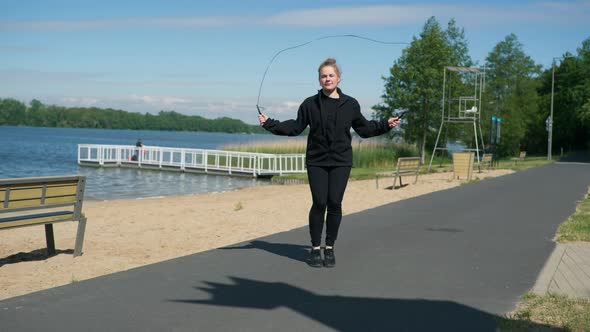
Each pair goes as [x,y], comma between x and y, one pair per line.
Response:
[453,260]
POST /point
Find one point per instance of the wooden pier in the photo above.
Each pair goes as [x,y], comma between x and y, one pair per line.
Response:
[191,160]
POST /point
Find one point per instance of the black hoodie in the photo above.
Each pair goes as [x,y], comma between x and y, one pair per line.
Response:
[324,149]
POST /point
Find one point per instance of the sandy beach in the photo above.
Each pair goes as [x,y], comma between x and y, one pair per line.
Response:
[127,233]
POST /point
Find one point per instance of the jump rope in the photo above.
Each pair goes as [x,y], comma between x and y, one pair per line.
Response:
[260,108]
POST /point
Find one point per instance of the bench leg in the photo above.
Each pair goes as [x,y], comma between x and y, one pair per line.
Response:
[80,236]
[50,240]
[376,181]
[395,181]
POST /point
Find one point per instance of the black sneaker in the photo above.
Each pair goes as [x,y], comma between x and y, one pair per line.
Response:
[315,258]
[329,259]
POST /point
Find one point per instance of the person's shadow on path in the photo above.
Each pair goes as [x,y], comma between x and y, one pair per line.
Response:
[348,313]
[292,251]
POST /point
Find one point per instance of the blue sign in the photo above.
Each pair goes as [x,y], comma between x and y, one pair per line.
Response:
[495,130]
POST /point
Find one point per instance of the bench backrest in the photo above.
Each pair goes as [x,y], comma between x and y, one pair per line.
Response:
[487,158]
[522,155]
[23,195]
[408,163]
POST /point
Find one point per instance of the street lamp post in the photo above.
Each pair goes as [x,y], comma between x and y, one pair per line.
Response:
[550,124]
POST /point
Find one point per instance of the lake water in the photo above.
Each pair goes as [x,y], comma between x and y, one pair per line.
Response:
[39,151]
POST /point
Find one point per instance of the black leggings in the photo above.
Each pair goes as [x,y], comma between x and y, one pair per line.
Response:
[327,190]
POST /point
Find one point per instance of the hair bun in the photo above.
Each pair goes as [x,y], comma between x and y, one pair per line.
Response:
[332,63]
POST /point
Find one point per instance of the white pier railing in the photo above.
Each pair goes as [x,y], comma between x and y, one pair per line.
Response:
[191,160]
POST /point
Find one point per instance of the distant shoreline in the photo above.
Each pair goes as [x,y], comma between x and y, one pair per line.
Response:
[36,114]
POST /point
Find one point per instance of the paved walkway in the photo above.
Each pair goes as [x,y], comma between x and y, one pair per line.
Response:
[566,272]
[454,260]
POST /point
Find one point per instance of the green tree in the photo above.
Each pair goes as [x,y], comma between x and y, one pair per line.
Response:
[12,112]
[416,78]
[459,45]
[583,112]
[35,113]
[511,90]
[571,113]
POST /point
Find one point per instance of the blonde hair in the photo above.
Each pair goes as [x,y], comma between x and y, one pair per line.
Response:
[330,62]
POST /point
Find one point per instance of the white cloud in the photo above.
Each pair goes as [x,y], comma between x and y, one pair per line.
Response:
[33,75]
[367,15]
[163,22]
[79,101]
[162,102]
[562,12]
[21,49]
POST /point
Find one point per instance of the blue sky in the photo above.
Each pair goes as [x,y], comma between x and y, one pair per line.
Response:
[207,57]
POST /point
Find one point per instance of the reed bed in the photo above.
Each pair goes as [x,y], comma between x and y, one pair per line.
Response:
[376,153]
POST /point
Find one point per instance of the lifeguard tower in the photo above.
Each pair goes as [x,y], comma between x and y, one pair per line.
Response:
[461,105]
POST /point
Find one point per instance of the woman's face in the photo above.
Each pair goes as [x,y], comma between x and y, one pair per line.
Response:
[329,78]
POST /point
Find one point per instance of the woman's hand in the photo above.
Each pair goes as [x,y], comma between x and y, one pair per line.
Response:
[262,118]
[392,122]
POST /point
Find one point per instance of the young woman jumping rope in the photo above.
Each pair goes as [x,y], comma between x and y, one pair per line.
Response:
[329,114]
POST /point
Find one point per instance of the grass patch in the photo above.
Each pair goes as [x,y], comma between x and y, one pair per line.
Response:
[577,226]
[556,312]
[445,164]
[355,174]
[438,166]
[371,156]
[528,162]
[287,146]
[548,313]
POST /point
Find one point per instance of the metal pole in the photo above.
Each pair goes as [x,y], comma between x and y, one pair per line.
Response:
[550,139]
[442,120]
[551,115]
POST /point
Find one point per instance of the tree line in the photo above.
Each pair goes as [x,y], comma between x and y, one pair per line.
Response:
[36,114]
[516,89]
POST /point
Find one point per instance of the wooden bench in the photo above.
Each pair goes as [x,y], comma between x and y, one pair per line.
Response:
[43,201]
[405,166]
[520,157]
